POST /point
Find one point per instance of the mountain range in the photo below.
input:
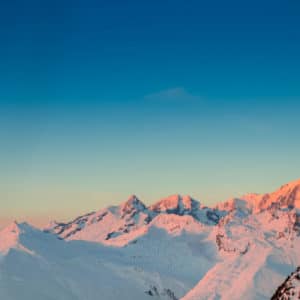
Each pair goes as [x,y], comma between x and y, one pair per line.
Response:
[177,248]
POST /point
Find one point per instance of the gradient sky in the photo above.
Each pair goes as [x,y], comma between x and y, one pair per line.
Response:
[103,99]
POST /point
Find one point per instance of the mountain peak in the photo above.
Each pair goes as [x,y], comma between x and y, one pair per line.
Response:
[133,203]
[169,203]
[288,195]
[9,236]
[133,198]
[13,227]
[290,185]
[174,204]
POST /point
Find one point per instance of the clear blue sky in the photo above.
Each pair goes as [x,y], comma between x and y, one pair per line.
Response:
[102,99]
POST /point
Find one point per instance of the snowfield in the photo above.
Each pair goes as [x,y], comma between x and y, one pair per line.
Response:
[174,249]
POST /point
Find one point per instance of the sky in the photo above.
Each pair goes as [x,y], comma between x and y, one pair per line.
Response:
[103,99]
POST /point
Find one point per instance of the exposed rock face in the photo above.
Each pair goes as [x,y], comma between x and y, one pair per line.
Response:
[290,288]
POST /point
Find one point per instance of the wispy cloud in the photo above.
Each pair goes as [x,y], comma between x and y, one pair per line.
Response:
[177,94]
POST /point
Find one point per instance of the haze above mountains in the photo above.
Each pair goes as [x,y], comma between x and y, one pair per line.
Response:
[176,248]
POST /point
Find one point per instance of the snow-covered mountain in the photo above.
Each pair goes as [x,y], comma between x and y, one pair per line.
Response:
[257,251]
[159,265]
[287,195]
[176,248]
[117,225]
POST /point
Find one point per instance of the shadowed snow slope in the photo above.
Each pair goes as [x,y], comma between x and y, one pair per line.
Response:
[258,251]
[174,249]
[157,264]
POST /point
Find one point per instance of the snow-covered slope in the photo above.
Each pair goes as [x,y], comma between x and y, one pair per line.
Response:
[37,265]
[105,224]
[174,249]
[257,251]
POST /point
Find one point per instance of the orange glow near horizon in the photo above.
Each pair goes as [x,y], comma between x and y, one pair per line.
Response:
[39,221]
